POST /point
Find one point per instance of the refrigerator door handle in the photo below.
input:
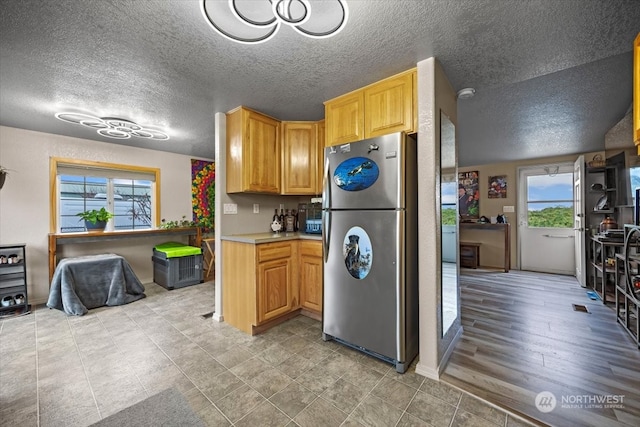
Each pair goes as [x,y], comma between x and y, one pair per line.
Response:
[326,186]
[326,233]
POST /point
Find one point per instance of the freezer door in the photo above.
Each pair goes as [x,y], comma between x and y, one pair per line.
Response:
[364,280]
[368,174]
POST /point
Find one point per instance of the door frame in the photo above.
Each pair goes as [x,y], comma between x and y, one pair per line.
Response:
[522,200]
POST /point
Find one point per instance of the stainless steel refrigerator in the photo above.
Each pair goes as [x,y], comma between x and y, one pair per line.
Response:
[369,233]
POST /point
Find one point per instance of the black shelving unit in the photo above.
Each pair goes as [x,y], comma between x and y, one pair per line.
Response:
[600,182]
[14,300]
[627,290]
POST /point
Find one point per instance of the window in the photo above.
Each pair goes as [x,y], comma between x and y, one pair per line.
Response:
[550,200]
[449,202]
[634,178]
[129,192]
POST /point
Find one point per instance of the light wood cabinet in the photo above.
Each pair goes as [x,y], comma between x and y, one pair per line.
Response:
[384,107]
[344,118]
[299,158]
[636,91]
[311,266]
[253,152]
[389,106]
[275,279]
[260,283]
[320,164]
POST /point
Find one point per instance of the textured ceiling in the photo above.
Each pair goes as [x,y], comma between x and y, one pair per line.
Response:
[552,76]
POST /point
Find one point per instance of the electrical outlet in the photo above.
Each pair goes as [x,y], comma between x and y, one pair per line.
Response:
[230,208]
[281,206]
[256,208]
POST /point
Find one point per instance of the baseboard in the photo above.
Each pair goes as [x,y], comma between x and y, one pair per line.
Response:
[434,374]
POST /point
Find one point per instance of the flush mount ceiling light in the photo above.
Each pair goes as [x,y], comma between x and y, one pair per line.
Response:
[251,21]
[466,93]
[112,127]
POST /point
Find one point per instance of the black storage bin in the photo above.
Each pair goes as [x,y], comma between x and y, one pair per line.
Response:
[172,273]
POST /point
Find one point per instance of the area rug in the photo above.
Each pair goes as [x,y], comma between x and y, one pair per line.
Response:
[168,408]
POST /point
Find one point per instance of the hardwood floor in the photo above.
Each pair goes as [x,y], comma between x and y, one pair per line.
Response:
[522,337]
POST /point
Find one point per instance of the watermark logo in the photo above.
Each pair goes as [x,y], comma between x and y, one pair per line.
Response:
[546,401]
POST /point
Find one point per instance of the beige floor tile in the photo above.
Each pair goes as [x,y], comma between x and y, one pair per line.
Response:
[320,413]
[295,366]
[239,402]
[265,415]
[432,410]
[376,412]
[394,392]
[483,410]
[269,382]
[77,369]
[206,410]
[293,399]
[219,386]
[344,395]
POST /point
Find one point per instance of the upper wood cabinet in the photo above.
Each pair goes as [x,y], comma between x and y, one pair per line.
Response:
[389,106]
[636,91]
[253,152]
[322,141]
[384,107]
[299,158]
[344,118]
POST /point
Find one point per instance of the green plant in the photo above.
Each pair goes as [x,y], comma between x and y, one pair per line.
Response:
[94,215]
[176,224]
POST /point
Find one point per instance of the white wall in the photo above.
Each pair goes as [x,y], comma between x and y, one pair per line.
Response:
[24,199]
[434,94]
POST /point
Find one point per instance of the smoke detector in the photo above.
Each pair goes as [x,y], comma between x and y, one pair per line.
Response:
[466,93]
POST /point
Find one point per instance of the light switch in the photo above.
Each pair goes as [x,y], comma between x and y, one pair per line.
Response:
[508,209]
[230,208]
[256,208]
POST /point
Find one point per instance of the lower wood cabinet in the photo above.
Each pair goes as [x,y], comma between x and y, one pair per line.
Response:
[264,284]
[275,275]
[311,276]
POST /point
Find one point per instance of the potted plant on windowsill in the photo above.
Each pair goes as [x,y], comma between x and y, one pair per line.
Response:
[94,219]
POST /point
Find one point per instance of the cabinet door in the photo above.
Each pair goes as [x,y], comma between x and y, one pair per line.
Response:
[274,289]
[299,158]
[253,152]
[345,118]
[311,275]
[322,141]
[389,106]
[636,91]
[262,162]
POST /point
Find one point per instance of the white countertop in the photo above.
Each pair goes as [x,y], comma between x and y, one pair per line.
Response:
[257,238]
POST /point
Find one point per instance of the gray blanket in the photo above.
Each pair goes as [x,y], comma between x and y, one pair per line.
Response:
[86,282]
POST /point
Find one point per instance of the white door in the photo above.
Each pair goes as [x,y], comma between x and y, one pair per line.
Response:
[546,219]
[578,225]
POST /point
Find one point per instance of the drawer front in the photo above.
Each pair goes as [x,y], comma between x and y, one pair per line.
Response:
[310,248]
[271,251]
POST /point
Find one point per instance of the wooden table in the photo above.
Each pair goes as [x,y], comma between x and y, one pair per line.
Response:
[56,239]
[502,228]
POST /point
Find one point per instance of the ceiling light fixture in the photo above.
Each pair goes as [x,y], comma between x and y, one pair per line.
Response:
[112,127]
[262,20]
[466,93]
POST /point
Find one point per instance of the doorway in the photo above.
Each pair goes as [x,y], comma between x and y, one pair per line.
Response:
[546,238]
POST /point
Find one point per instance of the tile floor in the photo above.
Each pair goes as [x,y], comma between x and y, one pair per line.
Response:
[65,370]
